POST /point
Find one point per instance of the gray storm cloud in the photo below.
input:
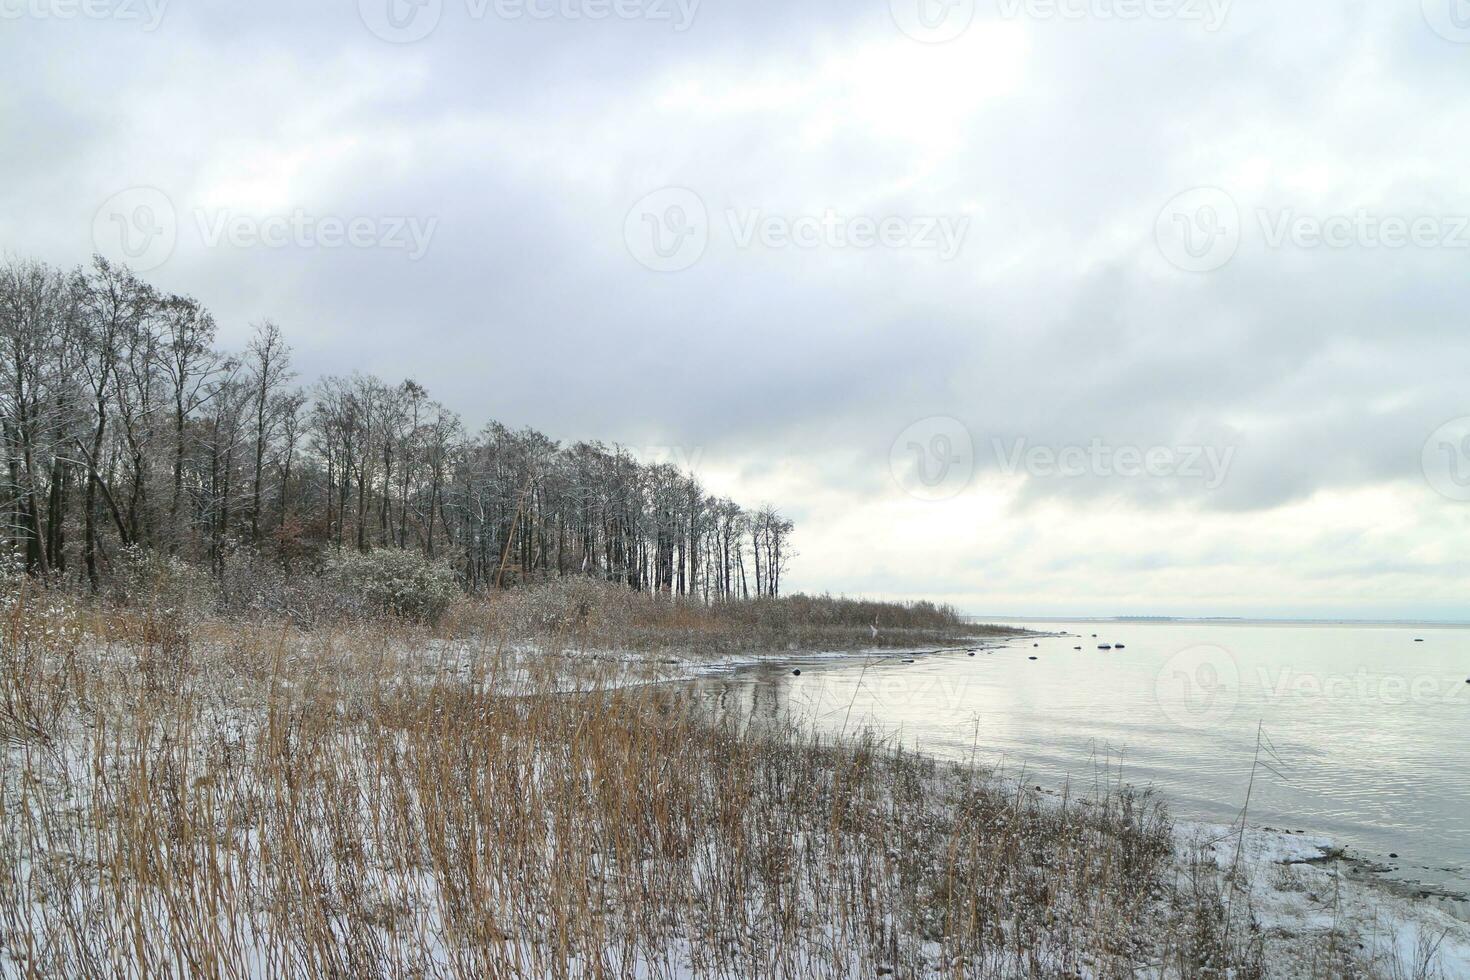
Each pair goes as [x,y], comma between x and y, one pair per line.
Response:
[1058,317]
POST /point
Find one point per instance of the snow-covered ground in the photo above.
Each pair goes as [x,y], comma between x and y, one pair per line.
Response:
[1303,893]
[1312,910]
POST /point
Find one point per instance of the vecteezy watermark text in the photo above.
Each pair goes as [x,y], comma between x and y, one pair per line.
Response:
[1208,464]
[935,459]
[301,229]
[140,226]
[1363,229]
[1211,14]
[942,234]
[1362,685]
[938,21]
[1201,687]
[670,229]
[148,14]
[406,21]
[685,459]
[1201,230]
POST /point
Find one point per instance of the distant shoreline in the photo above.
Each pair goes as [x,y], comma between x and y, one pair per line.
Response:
[1223,621]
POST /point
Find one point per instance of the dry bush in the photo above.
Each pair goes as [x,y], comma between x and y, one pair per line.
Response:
[142,578]
[38,640]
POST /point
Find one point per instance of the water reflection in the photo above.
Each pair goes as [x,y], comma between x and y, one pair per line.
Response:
[1364,729]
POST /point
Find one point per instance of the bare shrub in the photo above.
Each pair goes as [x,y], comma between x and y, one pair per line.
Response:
[397,583]
[150,579]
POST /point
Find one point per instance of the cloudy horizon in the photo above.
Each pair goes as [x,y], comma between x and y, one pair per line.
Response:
[1085,307]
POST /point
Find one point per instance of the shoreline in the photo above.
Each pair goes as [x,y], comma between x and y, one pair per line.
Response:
[1365,881]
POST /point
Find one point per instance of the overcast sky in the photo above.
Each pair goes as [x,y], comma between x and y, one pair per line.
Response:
[1080,306]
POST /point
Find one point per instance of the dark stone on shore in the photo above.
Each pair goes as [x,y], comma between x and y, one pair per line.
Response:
[972,653]
[908,661]
[1393,856]
[796,673]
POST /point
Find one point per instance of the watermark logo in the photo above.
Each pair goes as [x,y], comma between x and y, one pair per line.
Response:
[1446,460]
[141,228]
[1211,14]
[148,14]
[942,234]
[406,21]
[301,229]
[1361,686]
[1363,229]
[1208,465]
[1199,230]
[138,227]
[1199,687]
[401,21]
[668,230]
[685,459]
[932,21]
[1450,19]
[677,13]
[933,459]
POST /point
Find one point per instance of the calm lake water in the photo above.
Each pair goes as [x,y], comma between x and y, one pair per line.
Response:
[1365,730]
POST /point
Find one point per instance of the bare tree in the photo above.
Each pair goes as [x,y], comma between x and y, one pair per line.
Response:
[108,386]
[268,362]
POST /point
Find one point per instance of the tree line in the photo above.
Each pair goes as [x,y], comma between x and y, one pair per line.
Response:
[126,426]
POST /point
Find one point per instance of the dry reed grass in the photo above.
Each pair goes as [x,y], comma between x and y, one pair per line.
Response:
[213,799]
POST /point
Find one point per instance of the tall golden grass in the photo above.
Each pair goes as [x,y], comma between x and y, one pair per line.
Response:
[218,799]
